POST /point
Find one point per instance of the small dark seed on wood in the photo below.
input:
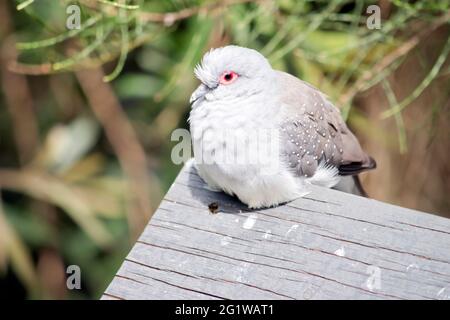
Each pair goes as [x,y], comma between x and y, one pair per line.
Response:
[213,207]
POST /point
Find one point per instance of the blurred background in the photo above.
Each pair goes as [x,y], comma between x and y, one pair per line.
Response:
[86,113]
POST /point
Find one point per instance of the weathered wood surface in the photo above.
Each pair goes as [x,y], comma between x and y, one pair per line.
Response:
[327,245]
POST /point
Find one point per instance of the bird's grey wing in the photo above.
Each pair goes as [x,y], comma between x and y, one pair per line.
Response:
[315,131]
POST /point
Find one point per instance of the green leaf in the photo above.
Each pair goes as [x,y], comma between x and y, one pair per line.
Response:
[137,85]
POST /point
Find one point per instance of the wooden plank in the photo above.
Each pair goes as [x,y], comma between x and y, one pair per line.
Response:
[327,245]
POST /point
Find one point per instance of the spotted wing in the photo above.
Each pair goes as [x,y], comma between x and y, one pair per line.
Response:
[315,132]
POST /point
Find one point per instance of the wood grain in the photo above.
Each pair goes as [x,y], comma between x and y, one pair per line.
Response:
[326,245]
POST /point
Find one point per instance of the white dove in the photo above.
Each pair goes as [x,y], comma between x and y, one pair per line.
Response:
[264,135]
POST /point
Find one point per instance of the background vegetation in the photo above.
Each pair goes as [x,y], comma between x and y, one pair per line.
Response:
[86,115]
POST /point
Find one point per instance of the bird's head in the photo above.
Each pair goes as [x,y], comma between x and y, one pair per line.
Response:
[230,72]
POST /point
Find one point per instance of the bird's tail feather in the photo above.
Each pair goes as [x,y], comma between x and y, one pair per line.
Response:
[351,184]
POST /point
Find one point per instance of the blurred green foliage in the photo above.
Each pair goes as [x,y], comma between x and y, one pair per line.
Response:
[71,195]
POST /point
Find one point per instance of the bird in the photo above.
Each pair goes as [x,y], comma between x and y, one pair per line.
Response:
[301,138]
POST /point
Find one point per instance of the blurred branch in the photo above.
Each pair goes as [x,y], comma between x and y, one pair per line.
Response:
[82,58]
[12,248]
[124,141]
[423,85]
[124,41]
[118,5]
[24,4]
[17,93]
[298,39]
[59,38]
[168,18]
[398,116]
[88,62]
[401,51]
[50,189]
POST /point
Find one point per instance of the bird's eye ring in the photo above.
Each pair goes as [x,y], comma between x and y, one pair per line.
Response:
[228,77]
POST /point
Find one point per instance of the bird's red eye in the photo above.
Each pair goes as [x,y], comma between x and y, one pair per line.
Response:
[228,77]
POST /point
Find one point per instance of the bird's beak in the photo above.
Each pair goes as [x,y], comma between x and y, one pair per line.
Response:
[198,93]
